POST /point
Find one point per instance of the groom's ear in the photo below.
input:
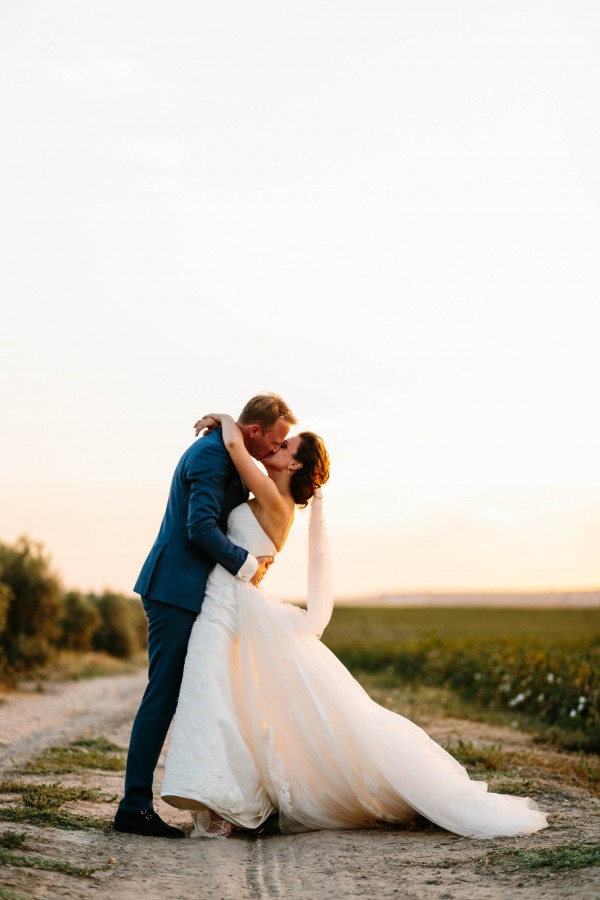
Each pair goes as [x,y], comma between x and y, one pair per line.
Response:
[253,431]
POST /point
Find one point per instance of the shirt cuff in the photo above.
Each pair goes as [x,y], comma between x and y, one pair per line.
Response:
[249,568]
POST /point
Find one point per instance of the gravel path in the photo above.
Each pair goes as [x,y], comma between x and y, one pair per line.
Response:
[426,864]
[32,720]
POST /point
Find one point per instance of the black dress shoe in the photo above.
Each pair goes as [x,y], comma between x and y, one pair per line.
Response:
[145,822]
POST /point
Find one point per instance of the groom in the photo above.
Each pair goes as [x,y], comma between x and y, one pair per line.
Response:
[191,540]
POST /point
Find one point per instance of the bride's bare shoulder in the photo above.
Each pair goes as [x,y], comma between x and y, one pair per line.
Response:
[275,519]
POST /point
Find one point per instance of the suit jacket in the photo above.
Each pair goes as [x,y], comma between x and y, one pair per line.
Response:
[204,490]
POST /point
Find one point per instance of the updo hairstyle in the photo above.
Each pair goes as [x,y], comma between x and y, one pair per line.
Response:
[306,481]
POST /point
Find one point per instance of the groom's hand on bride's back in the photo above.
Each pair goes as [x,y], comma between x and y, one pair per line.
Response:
[263,564]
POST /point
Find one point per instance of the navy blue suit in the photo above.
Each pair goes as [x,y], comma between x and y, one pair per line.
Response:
[204,490]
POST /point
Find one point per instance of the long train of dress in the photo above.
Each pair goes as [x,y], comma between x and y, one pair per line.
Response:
[268,719]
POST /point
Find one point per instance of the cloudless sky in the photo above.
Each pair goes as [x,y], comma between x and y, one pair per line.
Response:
[388,212]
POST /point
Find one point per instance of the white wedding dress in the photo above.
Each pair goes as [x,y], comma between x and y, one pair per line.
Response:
[269,720]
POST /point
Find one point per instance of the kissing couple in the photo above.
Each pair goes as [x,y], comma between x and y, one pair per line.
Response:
[270,727]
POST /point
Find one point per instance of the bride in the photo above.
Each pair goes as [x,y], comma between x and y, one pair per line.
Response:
[270,722]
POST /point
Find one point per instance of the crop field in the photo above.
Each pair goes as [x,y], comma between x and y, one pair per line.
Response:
[372,624]
[541,666]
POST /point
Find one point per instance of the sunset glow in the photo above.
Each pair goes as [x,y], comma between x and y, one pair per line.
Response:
[386,212]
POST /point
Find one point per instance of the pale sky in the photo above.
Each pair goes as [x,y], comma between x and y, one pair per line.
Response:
[388,212]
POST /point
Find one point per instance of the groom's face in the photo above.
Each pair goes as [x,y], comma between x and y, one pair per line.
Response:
[262,442]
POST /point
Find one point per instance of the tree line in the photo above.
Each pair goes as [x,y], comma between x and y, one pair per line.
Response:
[39,618]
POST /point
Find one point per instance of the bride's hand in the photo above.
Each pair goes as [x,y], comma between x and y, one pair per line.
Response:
[263,565]
[207,424]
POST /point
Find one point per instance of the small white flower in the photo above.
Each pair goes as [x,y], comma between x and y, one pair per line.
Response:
[515,700]
[573,713]
[540,697]
[549,677]
[477,676]
[582,700]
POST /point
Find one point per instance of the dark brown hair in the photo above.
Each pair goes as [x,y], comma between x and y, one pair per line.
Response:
[265,410]
[315,468]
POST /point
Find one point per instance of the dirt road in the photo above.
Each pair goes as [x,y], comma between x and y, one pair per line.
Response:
[426,863]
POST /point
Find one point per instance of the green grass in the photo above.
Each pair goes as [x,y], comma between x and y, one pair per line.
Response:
[373,625]
[7,894]
[50,796]
[52,818]
[520,772]
[12,840]
[588,771]
[7,858]
[78,756]
[556,859]
[41,805]
[567,739]
[488,758]
[417,701]
[98,743]
[71,666]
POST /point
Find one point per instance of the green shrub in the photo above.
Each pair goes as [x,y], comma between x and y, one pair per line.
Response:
[549,682]
[6,596]
[31,603]
[118,631]
[140,623]
[37,619]
[79,621]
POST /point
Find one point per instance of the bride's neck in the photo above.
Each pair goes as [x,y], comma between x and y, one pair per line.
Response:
[282,482]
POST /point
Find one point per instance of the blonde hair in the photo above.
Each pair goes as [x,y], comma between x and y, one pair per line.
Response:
[264,410]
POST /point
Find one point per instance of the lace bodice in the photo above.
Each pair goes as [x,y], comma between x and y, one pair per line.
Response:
[244,529]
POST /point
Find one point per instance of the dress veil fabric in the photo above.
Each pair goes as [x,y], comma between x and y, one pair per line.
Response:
[269,720]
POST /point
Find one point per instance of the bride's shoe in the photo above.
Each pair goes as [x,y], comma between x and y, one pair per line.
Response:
[209,825]
[219,828]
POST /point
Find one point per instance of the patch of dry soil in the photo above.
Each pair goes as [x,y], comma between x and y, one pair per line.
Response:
[426,863]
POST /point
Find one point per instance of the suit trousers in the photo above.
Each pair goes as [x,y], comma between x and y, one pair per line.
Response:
[169,629]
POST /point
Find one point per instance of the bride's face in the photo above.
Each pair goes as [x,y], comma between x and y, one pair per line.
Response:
[282,459]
